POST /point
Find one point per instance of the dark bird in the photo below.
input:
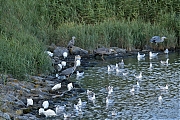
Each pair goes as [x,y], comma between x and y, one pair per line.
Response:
[69,71]
[157,39]
[71,42]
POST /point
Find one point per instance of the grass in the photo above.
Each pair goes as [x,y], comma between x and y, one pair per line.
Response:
[26,26]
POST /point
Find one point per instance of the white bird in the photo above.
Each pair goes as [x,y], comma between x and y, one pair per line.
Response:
[89,92]
[92,97]
[121,64]
[124,74]
[110,68]
[29,102]
[79,73]
[140,56]
[70,86]
[139,76]
[166,51]
[165,62]
[160,99]
[163,88]
[137,84]
[49,53]
[79,102]
[63,63]
[65,54]
[59,67]
[45,104]
[56,87]
[151,55]
[132,90]
[41,110]
[47,113]
[78,63]
[110,89]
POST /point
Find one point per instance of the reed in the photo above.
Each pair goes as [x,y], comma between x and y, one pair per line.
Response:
[28,25]
[123,34]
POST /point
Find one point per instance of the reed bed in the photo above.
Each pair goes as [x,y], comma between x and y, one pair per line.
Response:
[28,25]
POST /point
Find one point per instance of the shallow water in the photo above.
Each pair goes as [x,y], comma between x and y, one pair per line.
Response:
[143,102]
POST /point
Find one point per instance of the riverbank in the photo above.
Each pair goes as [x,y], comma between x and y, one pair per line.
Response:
[14,93]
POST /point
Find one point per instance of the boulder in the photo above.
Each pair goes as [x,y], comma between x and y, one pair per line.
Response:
[58,52]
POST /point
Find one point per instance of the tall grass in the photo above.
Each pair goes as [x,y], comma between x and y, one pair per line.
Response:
[124,34]
[27,25]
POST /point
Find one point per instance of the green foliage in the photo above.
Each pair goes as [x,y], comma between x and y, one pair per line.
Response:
[123,34]
[22,49]
[27,25]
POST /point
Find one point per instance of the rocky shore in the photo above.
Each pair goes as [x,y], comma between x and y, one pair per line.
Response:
[14,93]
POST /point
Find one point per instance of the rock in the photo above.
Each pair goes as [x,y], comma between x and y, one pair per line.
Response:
[58,52]
[4,116]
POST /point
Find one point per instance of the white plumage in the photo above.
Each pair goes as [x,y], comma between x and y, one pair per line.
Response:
[56,87]
[45,104]
[140,56]
[70,86]
[47,113]
[151,55]
[29,101]
[63,63]
[65,54]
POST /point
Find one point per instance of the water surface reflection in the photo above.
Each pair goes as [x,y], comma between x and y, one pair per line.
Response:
[143,103]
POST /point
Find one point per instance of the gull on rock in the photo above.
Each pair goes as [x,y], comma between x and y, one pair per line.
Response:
[65,54]
[29,102]
[63,63]
[47,113]
[70,86]
[56,87]
[45,104]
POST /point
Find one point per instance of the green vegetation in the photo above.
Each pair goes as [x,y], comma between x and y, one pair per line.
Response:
[28,25]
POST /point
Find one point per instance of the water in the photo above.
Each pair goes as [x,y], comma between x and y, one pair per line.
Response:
[143,102]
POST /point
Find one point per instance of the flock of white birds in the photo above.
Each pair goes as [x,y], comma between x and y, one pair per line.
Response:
[90,94]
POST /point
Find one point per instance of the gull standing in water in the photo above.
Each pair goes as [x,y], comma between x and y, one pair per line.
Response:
[121,64]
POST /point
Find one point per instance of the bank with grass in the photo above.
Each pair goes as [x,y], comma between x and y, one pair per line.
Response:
[27,26]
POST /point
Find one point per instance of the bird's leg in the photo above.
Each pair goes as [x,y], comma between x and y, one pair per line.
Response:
[102,57]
